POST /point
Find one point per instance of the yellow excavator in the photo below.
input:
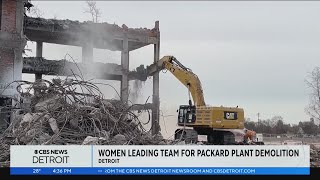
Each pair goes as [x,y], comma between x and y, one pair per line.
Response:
[219,124]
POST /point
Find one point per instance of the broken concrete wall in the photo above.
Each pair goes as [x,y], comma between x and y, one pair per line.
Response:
[8,22]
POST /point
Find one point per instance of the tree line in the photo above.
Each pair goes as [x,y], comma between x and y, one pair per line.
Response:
[276,125]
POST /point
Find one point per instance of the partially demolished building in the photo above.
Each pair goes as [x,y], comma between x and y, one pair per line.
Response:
[17,29]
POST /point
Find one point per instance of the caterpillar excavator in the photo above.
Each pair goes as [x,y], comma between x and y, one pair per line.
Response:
[220,124]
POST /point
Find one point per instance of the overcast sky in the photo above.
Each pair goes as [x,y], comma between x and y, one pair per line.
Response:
[252,54]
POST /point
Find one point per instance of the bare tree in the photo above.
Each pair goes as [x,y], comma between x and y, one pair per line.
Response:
[93,11]
[313,83]
[35,12]
[55,16]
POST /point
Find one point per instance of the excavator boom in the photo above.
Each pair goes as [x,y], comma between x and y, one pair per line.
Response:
[184,75]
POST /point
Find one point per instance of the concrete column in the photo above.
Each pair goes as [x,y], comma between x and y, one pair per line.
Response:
[155,97]
[7,76]
[11,47]
[39,50]
[20,16]
[12,44]
[125,68]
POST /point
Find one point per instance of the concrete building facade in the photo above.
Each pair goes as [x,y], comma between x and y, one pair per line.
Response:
[16,27]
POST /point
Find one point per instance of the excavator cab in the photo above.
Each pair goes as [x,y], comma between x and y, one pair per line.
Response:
[186,119]
[186,115]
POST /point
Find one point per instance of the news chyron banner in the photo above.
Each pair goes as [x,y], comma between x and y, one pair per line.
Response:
[160,160]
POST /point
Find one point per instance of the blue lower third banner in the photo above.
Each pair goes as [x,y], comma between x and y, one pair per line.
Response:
[159,160]
[162,171]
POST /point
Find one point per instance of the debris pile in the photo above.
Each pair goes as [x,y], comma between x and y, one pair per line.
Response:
[314,156]
[72,111]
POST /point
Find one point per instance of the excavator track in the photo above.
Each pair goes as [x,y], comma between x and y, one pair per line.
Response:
[187,135]
[214,137]
[221,138]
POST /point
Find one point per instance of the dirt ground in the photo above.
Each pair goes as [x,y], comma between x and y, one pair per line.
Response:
[281,140]
[314,143]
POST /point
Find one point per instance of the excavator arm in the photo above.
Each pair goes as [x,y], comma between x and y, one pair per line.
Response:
[183,74]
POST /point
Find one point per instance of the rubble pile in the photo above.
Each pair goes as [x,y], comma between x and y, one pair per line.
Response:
[72,111]
[314,156]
